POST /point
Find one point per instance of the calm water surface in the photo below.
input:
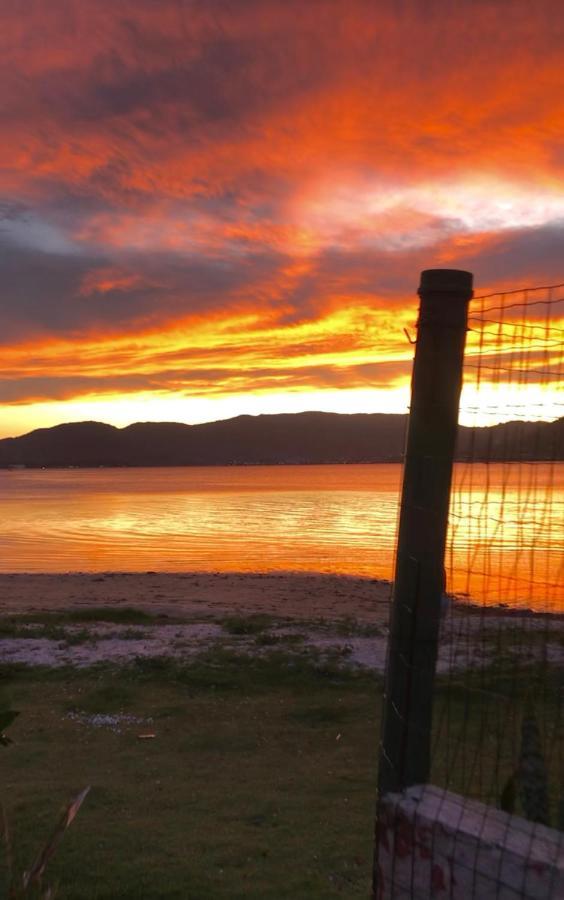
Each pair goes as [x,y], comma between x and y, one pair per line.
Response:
[339,519]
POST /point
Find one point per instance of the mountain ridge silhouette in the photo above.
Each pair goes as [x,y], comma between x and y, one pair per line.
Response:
[284,438]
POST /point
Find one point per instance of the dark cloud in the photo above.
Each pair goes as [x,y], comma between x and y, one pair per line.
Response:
[55,294]
[520,257]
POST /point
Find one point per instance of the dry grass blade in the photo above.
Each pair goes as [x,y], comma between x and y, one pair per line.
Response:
[36,872]
[7,838]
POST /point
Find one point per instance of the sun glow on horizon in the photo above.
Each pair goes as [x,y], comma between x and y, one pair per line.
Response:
[120,410]
[355,360]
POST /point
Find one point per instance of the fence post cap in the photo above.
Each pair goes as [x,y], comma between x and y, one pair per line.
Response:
[455,281]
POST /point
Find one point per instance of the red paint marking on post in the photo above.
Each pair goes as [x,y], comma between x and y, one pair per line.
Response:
[380,883]
[424,839]
[538,868]
[405,838]
[382,835]
[437,878]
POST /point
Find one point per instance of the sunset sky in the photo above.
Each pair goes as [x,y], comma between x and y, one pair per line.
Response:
[212,208]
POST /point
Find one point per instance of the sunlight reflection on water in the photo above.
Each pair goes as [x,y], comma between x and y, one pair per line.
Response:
[338,519]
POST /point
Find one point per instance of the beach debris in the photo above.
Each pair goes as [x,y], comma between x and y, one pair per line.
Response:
[114,721]
[146,737]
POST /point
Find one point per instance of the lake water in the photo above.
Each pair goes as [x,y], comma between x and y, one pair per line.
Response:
[506,524]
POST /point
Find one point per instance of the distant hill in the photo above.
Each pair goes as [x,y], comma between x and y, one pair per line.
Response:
[311,437]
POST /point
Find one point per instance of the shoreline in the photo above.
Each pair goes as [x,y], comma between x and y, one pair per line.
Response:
[284,594]
[83,619]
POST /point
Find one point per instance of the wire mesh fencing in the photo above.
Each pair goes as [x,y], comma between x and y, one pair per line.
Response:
[490,820]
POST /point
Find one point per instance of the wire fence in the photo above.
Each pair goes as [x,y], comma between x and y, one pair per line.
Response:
[496,784]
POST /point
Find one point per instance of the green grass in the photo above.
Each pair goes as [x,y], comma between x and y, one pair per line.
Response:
[53,632]
[348,626]
[61,626]
[344,626]
[122,615]
[259,783]
[516,639]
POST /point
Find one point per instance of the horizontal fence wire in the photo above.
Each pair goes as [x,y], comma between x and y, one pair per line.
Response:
[498,706]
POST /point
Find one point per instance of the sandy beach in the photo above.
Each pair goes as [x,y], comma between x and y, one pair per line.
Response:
[189,613]
[297,596]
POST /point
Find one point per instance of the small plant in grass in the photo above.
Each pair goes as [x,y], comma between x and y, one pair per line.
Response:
[267,639]
[293,638]
[80,636]
[29,884]
[349,627]
[129,634]
[530,782]
[246,624]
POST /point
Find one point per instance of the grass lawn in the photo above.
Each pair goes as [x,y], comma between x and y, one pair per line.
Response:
[260,780]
